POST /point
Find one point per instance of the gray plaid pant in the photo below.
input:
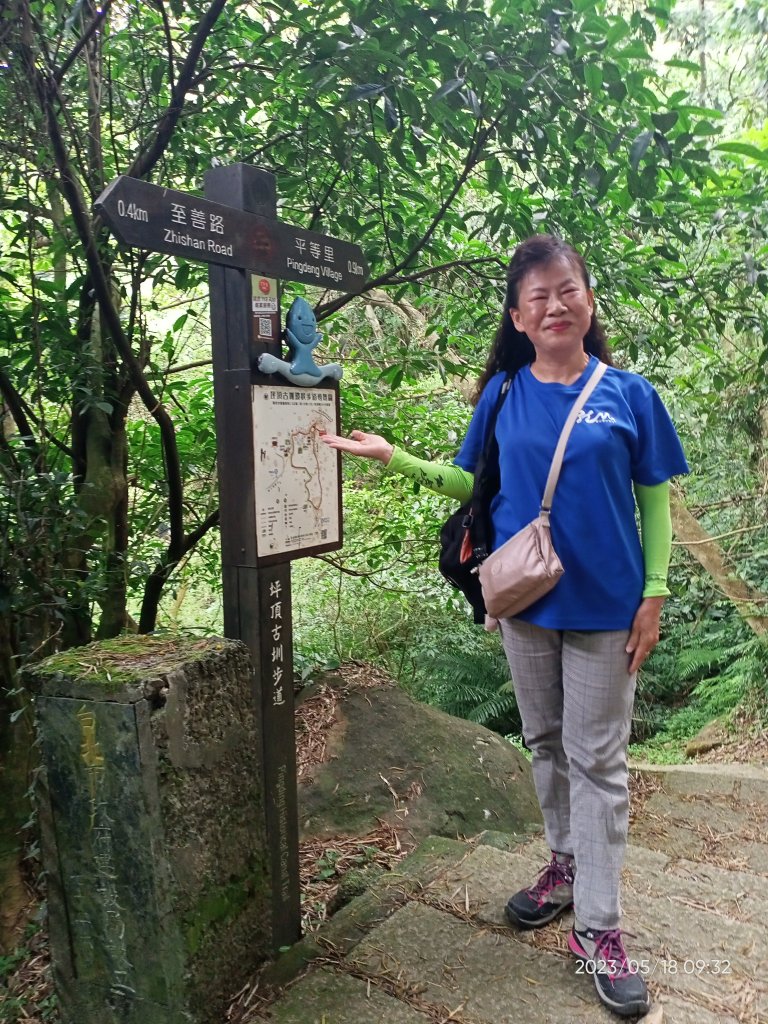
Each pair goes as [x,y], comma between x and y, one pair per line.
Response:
[575,698]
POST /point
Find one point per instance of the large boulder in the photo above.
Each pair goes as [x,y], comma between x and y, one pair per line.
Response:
[389,758]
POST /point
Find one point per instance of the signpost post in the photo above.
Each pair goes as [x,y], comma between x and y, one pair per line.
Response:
[262,427]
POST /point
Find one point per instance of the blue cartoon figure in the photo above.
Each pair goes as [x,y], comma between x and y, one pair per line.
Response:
[303,336]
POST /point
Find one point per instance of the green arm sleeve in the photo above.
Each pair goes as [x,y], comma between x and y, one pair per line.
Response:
[656,536]
[445,479]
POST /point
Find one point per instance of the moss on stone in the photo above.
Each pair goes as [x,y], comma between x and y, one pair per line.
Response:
[219,905]
[126,659]
[392,759]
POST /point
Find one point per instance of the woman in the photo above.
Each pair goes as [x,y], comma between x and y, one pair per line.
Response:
[574,654]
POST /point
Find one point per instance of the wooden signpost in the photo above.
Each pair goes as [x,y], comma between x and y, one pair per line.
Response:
[280,492]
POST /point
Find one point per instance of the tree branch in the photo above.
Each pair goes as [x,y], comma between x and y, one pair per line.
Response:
[159,576]
[101,14]
[46,90]
[464,264]
[180,368]
[18,410]
[708,553]
[168,39]
[319,204]
[473,155]
[144,163]
[196,535]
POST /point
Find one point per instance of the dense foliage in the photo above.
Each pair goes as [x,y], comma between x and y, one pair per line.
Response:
[435,136]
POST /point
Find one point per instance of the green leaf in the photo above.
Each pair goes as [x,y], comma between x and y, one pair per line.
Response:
[593,77]
[663,144]
[685,65]
[665,120]
[704,128]
[156,77]
[635,49]
[743,149]
[638,148]
[495,173]
[364,92]
[594,176]
[420,150]
[668,253]
[447,88]
[182,275]
[391,116]
[473,102]
[617,31]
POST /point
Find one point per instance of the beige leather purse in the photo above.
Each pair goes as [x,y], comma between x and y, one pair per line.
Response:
[526,567]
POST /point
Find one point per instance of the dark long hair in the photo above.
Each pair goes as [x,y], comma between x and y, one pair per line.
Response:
[511,349]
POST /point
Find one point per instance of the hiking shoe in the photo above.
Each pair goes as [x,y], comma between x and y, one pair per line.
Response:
[551,895]
[617,981]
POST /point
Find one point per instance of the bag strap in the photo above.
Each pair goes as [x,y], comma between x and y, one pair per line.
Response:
[474,520]
[489,437]
[484,461]
[565,433]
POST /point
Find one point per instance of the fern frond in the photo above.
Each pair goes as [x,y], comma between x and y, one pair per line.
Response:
[496,707]
[695,660]
[472,684]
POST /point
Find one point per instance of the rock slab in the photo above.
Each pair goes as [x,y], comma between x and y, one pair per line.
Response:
[425,772]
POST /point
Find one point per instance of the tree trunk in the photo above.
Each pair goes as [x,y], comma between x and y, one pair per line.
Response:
[751,604]
[16,753]
[109,464]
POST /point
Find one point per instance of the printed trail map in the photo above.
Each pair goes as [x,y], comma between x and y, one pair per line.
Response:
[296,475]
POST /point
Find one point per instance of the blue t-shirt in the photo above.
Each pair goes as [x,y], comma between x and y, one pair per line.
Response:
[623,435]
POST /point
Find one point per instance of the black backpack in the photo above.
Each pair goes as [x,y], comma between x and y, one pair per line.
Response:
[466,535]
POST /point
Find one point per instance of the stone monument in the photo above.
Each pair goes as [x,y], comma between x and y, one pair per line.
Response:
[153,832]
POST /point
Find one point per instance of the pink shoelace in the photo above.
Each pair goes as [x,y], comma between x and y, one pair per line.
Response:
[553,874]
[609,949]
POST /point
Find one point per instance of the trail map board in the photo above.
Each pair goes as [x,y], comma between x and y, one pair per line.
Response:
[279,491]
[297,480]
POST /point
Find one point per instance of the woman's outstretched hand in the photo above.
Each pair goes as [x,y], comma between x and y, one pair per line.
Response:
[367,446]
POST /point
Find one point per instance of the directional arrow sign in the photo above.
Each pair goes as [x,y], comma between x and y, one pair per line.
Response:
[150,217]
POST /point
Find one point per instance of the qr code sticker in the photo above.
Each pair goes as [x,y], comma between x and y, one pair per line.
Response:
[265,327]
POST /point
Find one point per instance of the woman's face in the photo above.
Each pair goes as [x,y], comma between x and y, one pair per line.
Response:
[554,308]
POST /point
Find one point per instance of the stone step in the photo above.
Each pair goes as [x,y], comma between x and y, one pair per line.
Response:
[651,875]
[648,874]
[332,997]
[686,945]
[485,977]
[475,974]
[746,783]
[443,949]
[707,829]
